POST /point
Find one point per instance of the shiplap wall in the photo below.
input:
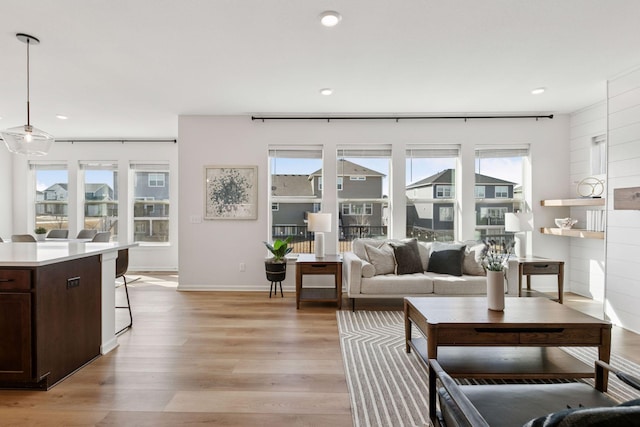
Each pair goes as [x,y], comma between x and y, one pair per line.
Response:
[622,297]
[585,275]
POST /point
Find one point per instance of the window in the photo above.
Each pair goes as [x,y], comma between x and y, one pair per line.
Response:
[275,206]
[364,204]
[446,213]
[430,189]
[51,195]
[501,172]
[338,184]
[445,191]
[357,178]
[101,196]
[502,192]
[156,180]
[599,155]
[296,188]
[480,192]
[151,220]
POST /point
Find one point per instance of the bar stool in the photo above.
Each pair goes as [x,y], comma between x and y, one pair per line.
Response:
[122,264]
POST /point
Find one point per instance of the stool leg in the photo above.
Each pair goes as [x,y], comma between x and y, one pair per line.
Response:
[128,306]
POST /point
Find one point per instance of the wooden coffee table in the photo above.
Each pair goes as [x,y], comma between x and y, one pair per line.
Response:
[470,341]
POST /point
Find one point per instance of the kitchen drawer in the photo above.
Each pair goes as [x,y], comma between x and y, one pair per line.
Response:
[532,268]
[11,280]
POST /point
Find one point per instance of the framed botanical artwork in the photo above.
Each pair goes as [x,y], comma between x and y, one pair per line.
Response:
[230,192]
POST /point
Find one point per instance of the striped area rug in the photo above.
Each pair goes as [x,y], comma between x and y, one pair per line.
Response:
[388,387]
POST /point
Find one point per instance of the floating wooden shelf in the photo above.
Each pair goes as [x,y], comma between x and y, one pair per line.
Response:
[574,202]
[573,232]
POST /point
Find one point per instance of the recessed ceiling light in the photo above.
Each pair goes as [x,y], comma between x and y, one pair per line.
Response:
[61,117]
[538,91]
[330,18]
[326,91]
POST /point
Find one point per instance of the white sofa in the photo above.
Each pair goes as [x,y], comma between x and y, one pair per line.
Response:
[360,283]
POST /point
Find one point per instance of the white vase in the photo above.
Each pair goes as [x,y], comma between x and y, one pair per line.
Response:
[40,237]
[495,290]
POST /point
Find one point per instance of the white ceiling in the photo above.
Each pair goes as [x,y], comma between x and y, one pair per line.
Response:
[129,68]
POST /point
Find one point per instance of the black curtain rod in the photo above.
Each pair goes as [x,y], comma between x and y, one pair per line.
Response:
[122,141]
[398,118]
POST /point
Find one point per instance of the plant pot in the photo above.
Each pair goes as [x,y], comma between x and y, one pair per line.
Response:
[495,290]
[276,271]
[40,237]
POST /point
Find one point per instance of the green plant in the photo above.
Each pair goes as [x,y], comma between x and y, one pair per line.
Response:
[279,248]
[494,259]
[40,230]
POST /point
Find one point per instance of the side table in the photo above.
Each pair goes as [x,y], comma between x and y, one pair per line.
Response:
[538,266]
[309,264]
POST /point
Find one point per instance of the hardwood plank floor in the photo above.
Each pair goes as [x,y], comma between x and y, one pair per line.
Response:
[215,358]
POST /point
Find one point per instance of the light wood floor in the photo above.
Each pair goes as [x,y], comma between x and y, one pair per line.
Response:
[214,358]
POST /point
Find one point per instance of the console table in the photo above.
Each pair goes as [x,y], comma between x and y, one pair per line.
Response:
[540,266]
[308,264]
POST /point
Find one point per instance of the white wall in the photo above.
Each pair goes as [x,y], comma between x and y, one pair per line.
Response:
[210,252]
[6,191]
[622,297]
[143,258]
[586,274]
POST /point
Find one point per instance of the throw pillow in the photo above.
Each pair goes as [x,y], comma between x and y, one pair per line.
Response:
[368,270]
[407,257]
[447,261]
[472,261]
[381,258]
[445,246]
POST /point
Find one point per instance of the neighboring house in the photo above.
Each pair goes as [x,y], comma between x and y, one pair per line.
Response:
[54,200]
[426,215]
[99,200]
[353,182]
[151,211]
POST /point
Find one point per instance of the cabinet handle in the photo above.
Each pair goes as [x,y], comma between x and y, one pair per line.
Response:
[319,265]
[541,266]
[7,280]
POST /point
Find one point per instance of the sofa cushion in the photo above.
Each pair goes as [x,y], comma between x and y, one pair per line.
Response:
[407,257]
[446,261]
[472,264]
[392,284]
[382,258]
[445,284]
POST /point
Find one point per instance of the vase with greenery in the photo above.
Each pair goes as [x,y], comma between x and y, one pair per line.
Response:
[41,233]
[494,259]
[276,267]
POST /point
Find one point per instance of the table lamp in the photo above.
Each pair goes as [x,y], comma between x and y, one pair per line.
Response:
[519,223]
[319,223]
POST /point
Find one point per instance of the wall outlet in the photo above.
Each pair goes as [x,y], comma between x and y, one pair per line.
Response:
[243,267]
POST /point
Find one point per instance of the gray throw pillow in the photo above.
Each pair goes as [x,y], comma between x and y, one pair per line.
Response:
[382,259]
[407,257]
[472,261]
[368,270]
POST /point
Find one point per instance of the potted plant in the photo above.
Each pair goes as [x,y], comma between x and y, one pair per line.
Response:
[41,233]
[276,267]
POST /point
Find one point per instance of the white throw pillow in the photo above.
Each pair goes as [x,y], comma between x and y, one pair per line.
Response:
[382,259]
[368,270]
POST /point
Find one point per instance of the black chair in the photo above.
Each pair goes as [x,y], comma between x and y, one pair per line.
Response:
[87,233]
[58,234]
[531,405]
[122,264]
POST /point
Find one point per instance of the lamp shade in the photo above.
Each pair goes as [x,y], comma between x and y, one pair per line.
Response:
[319,222]
[518,221]
[27,140]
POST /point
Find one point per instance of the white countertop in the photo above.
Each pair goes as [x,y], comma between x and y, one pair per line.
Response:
[43,253]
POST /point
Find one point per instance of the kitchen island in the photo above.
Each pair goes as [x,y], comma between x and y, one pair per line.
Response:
[57,309]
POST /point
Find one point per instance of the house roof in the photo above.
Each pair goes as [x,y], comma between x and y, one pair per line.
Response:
[446,177]
[347,168]
[62,185]
[93,187]
[130,68]
[291,185]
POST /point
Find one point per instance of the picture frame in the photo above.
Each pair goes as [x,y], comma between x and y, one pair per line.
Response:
[230,192]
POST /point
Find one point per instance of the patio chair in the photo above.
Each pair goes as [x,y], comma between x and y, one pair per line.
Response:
[58,234]
[23,238]
[87,233]
[103,236]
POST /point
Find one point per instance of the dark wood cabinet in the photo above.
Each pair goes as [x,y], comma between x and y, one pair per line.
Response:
[50,321]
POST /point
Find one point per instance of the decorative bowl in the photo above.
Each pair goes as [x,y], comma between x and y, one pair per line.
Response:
[565,223]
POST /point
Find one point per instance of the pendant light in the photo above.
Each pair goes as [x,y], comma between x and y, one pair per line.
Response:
[27,139]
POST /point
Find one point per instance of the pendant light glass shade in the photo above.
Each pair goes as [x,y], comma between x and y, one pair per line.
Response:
[27,139]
